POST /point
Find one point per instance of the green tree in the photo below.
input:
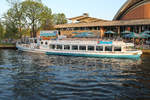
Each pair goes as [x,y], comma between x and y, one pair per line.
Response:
[30,15]
[11,30]
[33,10]
[59,18]
[46,19]
[15,16]
[1,31]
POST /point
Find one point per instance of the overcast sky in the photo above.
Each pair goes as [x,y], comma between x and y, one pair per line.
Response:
[104,9]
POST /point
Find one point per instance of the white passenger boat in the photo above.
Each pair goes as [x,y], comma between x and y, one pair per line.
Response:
[83,48]
[109,49]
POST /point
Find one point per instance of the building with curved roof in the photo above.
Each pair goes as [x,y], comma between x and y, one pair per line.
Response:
[133,16]
[134,9]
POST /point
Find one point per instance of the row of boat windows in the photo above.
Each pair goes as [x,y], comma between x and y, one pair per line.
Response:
[45,43]
[84,48]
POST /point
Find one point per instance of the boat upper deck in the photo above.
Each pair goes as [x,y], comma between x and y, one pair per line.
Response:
[85,42]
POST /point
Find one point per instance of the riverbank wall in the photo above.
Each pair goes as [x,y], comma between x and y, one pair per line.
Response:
[146,51]
[6,46]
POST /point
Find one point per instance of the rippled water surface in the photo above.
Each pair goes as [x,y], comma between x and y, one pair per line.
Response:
[29,76]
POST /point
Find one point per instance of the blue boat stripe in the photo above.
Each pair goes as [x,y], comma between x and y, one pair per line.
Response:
[93,55]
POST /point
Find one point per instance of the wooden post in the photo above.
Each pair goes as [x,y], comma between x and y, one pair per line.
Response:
[119,30]
[140,29]
[102,32]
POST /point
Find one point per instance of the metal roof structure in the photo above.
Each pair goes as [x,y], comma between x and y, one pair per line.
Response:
[129,5]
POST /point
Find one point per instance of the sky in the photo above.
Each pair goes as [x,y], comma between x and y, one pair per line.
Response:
[103,9]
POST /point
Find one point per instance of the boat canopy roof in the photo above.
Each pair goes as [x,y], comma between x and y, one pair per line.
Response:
[80,42]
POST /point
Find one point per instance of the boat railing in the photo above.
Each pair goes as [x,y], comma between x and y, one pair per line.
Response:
[73,41]
[83,41]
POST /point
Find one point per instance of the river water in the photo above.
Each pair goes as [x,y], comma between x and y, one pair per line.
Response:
[29,76]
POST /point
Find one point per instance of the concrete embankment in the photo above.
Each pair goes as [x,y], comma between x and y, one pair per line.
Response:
[5,46]
[146,51]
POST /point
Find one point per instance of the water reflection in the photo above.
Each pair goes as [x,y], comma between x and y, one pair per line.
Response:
[27,76]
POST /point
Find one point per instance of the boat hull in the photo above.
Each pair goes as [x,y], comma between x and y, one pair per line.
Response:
[96,55]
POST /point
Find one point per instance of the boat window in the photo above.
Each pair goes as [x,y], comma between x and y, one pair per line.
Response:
[74,47]
[67,47]
[59,47]
[35,41]
[82,48]
[91,48]
[108,48]
[46,43]
[52,46]
[117,48]
[99,48]
[31,41]
[41,42]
